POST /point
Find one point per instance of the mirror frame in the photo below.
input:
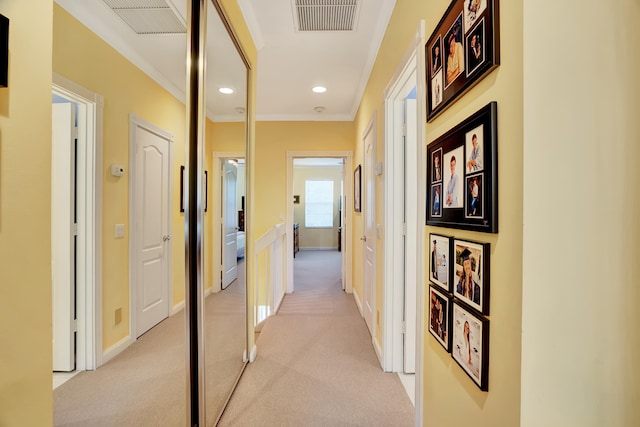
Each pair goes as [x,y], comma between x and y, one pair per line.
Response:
[194,219]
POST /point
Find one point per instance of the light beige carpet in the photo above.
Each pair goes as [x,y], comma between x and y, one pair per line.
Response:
[316,365]
[145,385]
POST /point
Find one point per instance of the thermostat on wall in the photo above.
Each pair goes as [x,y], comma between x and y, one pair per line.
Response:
[117,170]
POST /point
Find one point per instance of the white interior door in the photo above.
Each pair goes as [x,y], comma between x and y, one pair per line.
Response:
[63,236]
[229,224]
[410,248]
[369,237]
[151,213]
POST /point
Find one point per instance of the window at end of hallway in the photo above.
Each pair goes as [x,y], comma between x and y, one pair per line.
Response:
[318,209]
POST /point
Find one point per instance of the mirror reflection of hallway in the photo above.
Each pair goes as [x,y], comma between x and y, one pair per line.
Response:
[142,381]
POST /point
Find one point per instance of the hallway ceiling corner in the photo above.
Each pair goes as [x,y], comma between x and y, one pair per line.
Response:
[335,47]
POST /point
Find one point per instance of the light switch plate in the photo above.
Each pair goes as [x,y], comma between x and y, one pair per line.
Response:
[119,231]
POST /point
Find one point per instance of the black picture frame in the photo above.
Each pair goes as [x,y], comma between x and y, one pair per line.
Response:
[471,273]
[467,198]
[440,261]
[439,322]
[474,26]
[357,189]
[206,190]
[181,188]
[4,51]
[470,350]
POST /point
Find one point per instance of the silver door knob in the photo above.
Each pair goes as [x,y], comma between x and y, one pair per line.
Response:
[166,237]
[363,238]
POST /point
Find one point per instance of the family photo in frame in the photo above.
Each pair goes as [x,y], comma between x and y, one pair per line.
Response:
[470,344]
[440,251]
[462,174]
[440,317]
[471,274]
[461,51]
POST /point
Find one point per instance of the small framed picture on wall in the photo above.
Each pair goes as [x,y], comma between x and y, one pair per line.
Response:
[470,344]
[440,260]
[440,316]
[471,274]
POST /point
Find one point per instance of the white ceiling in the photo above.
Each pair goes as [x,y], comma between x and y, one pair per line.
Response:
[290,62]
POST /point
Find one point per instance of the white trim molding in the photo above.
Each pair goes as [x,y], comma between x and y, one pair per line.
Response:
[89,219]
[398,223]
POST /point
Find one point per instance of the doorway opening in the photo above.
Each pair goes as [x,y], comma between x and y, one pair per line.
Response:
[404,219]
[228,239]
[76,228]
[320,190]
[318,215]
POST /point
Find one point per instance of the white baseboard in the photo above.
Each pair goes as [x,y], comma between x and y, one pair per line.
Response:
[358,303]
[177,308]
[116,349]
[278,304]
[252,355]
[378,350]
[318,248]
[258,326]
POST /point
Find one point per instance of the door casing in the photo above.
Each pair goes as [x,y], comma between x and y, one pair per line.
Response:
[407,76]
[217,236]
[347,207]
[370,231]
[229,223]
[89,353]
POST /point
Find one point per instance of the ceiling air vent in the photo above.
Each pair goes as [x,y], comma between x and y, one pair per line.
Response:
[326,15]
[148,16]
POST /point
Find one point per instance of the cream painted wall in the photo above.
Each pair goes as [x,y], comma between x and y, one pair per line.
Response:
[25,227]
[450,397]
[580,340]
[316,237]
[79,55]
[274,139]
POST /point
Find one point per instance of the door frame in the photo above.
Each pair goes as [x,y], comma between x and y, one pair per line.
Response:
[135,121]
[407,75]
[346,226]
[89,218]
[366,202]
[216,234]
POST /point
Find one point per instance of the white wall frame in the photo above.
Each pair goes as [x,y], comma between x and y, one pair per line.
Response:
[218,158]
[348,206]
[408,75]
[89,217]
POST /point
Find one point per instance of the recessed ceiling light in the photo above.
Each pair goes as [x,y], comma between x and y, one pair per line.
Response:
[319,89]
[225,90]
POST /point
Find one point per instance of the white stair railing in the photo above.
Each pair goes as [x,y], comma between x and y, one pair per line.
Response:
[269,272]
